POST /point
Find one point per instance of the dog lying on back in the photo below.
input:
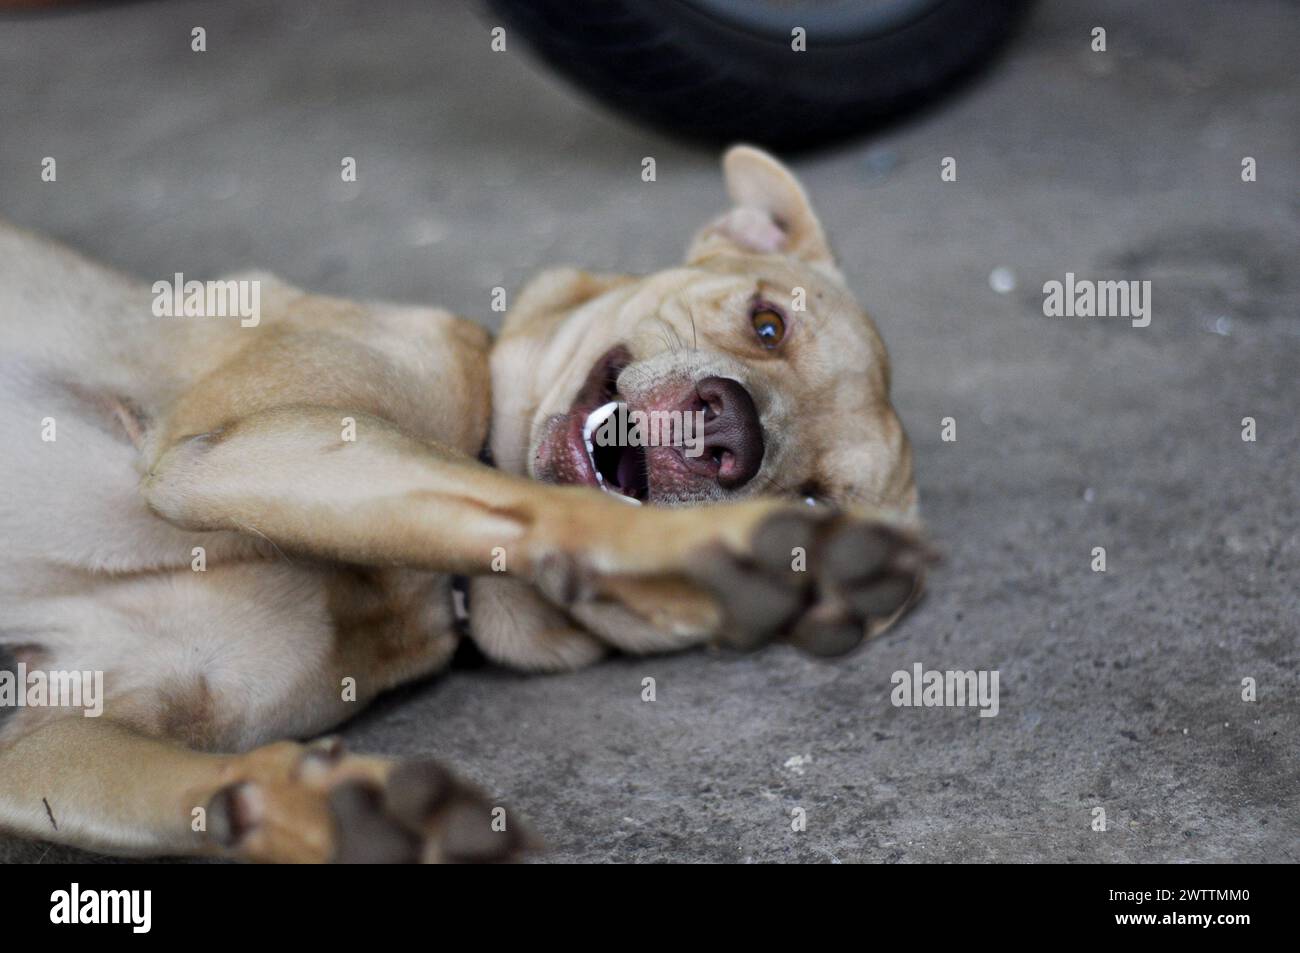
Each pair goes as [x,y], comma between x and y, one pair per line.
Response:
[250,526]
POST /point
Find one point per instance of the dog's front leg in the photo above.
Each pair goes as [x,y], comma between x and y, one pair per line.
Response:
[354,488]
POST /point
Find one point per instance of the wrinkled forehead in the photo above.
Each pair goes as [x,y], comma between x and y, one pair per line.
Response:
[724,281]
[828,327]
[779,271]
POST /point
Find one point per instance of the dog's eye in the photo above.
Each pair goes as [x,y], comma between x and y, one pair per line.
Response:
[768,325]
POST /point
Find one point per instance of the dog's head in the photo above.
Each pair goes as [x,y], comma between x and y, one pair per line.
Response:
[749,370]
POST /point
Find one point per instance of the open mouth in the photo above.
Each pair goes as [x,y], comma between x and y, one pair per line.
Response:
[595,415]
[619,469]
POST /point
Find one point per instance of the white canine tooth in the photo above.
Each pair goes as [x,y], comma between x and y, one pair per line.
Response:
[596,418]
[589,427]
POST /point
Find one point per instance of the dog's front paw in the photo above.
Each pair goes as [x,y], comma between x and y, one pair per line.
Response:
[740,574]
[824,580]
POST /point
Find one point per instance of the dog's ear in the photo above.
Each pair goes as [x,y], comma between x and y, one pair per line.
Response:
[771,213]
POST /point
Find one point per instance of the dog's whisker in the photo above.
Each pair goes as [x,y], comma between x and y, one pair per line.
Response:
[695,331]
[253,530]
[668,334]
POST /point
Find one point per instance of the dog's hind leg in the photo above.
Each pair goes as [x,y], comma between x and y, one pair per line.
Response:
[94,784]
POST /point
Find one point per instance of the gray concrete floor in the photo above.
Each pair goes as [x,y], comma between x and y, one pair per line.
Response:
[1119,690]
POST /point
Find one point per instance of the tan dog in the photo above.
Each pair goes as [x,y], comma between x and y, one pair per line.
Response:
[249,529]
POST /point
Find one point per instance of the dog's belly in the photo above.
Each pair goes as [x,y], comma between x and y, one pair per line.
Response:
[214,639]
[207,658]
[234,656]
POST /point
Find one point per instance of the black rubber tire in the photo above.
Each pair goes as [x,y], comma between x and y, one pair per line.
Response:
[694,73]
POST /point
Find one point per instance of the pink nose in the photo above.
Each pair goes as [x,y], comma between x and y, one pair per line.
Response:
[733,437]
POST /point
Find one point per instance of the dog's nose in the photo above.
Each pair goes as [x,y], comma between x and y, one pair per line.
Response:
[733,437]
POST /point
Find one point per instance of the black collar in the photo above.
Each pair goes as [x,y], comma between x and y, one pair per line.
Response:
[460,584]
